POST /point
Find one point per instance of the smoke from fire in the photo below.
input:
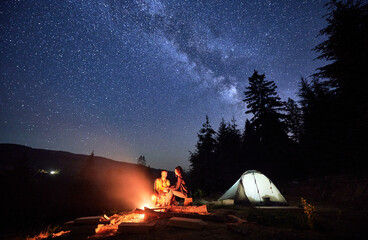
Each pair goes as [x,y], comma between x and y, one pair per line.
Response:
[128,188]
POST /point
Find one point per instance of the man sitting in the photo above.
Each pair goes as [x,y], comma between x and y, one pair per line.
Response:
[160,189]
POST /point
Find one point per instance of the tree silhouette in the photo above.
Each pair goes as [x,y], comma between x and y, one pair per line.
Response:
[293,120]
[227,155]
[321,144]
[261,98]
[142,160]
[345,48]
[346,77]
[264,103]
[201,159]
[87,172]
[268,123]
[250,147]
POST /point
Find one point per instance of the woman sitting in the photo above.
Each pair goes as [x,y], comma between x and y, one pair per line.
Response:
[180,189]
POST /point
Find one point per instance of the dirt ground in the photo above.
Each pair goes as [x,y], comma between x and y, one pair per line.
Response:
[331,223]
[341,213]
[341,204]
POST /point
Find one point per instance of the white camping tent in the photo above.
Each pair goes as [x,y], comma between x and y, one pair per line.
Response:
[256,189]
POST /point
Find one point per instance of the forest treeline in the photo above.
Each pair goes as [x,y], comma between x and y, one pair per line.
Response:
[323,133]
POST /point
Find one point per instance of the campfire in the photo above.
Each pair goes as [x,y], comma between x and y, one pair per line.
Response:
[141,217]
[140,220]
[116,220]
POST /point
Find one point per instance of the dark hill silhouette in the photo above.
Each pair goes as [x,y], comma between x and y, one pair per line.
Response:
[86,185]
[68,163]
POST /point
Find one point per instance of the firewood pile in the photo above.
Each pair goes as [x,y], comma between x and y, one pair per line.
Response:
[144,220]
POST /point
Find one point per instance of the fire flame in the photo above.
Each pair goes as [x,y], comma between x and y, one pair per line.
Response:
[146,205]
[60,233]
[47,234]
[117,219]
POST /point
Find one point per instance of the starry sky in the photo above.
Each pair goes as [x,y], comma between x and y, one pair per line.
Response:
[130,78]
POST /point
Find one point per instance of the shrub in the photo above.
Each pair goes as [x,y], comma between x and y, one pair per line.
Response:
[309,211]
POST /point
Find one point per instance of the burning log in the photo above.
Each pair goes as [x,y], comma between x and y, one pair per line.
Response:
[86,225]
[150,213]
[117,219]
[188,201]
[189,209]
[91,220]
[141,220]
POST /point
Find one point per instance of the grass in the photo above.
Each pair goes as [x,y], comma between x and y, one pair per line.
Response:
[280,218]
[329,222]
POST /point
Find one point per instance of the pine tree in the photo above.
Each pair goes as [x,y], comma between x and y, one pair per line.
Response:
[250,147]
[142,160]
[268,122]
[227,154]
[293,120]
[235,139]
[235,132]
[321,141]
[87,172]
[345,48]
[201,160]
[264,103]
[346,75]
[248,136]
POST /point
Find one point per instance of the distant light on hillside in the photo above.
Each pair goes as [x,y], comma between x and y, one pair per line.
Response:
[54,172]
[51,172]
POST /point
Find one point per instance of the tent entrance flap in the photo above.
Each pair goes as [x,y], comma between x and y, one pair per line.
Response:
[231,193]
[240,197]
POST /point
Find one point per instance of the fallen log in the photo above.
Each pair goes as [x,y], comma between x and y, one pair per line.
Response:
[91,220]
[85,225]
[188,209]
[188,223]
[152,214]
[236,219]
[143,227]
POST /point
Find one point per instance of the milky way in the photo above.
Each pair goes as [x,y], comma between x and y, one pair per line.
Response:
[138,77]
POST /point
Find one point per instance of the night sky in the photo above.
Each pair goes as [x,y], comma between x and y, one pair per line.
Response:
[130,78]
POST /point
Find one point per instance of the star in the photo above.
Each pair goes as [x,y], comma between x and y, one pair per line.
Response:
[124,78]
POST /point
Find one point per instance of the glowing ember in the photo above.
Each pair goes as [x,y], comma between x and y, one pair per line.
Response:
[116,219]
[41,235]
[146,204]
[132,217]
[47,234]
[60,233]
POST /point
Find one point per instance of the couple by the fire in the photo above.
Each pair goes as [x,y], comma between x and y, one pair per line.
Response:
[164,194]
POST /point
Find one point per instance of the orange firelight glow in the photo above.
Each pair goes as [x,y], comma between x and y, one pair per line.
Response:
[47,234]
[58,234]
[128,189]
[146,205]
[117,219]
